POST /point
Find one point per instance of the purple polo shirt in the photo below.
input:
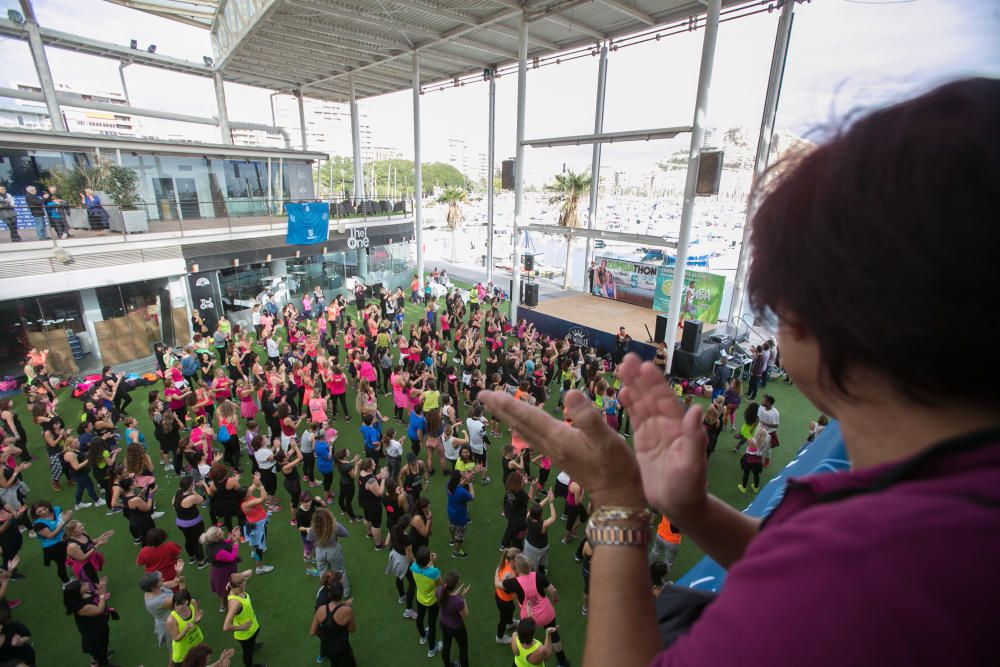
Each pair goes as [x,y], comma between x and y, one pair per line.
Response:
[891,565]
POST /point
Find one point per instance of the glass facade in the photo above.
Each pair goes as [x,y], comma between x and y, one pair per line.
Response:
[19,169]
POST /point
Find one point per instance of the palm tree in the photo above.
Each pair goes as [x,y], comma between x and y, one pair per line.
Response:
[453,197]
[568,189]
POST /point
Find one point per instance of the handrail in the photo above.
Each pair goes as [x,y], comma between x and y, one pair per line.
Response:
[736,321]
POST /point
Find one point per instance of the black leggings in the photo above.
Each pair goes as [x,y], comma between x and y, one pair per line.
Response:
[231,452]
[57,554]
[309,465]
[506,609]
[191,544]
[461,636]
[432,616]
[247,646]
[346,499]
[343,402]
[397,412]
[510,538]
[754,468]
[327,481]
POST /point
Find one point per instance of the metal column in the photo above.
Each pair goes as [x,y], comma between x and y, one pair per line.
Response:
[694,156]
[359,174]
[220,102]
[302,119]
[778,59]
[490,159]
[270,195]
[121,75]
[522,91]
[595,169]
[42,67]
[418,175]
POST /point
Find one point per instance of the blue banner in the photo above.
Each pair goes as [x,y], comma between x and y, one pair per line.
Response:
[308,222]
[824,455]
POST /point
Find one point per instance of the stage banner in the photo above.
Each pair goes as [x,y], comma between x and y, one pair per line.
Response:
[308,222]
[702,294]
[625,280]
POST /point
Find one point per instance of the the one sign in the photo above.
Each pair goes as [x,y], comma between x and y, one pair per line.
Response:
[308,223]
[358,238]
[205,297]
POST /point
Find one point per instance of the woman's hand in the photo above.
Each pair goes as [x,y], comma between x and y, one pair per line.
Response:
[594,455]
[669,442]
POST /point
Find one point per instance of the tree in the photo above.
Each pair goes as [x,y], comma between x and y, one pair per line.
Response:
[567,189]
[453,197]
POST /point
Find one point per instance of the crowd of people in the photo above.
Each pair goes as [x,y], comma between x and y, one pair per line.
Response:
[248,419]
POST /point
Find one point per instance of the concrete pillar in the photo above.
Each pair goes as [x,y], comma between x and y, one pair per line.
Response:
[220,101]
[302,119]
[91,308]
[180,297]
[42,67]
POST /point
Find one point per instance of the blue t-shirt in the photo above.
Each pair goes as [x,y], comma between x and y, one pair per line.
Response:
[370,436]
[50,524]
[324,459]
[417,423]
[458,506]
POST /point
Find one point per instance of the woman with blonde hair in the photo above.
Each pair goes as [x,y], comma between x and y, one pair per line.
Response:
[325,532]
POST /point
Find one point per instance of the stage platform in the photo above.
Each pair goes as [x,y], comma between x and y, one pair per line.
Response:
[605,315]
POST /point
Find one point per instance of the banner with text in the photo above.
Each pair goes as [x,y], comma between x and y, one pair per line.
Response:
[308,222]
[625,280]
[702,295]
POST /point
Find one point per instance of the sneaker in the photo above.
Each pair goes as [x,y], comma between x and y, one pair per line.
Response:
[319,659]
[451,543]
[583,611]
[459,554]
[486,480]
[100,503]
[13,604]
[434,651]
[83,506]
[423,640]
[202,565]
[222,610]
[503,640]
[409,613]
[755,488]
[113,510]
[156,515]
[401,600]
[312,572]
[263,569]
[742,488]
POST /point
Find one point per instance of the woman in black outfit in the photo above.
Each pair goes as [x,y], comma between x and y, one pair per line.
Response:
[348,469]
[515,510]
[189,521]
[334,622]
[138,509]
[91,613]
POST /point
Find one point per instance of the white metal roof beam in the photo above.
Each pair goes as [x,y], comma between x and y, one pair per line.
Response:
[264,9]
[555,17]
[629,10]
[454,34]
[608,137]
[583,232]
[469,19]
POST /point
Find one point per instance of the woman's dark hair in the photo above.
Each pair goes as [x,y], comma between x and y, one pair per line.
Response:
[451,581]
[423,556]
[658,572]
[155,537]
[750,413]
[184,485]
[399,529]
[883,203]
[182,596]
[526,631]
[72,596]
[420,507]
[198,656]
[535,512]
[454,481]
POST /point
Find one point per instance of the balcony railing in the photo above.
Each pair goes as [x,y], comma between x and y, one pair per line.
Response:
[184,218]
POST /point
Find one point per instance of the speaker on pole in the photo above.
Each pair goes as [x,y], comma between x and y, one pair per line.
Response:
[507,175]
[709,173]
[529,261]
[691,340]
[531,294]
[661,327]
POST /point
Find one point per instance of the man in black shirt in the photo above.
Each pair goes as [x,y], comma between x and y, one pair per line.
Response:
[36,205]
[622,341]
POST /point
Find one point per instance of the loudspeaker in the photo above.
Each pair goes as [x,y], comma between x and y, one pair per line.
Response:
[691,340]
[529,262]
[709,173]
[531,294]
[507,175]
[661,328]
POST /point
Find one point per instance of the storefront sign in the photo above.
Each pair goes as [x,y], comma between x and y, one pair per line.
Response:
[358,238]
[308,223]
[205,297]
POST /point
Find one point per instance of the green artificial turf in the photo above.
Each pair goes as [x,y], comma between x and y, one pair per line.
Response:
[284,598]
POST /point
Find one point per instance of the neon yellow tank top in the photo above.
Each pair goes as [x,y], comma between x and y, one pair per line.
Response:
[179,649]
[246,614]
[521,659]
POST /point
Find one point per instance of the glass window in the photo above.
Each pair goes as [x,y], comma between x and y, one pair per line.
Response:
[110,300]
[242,285]
[61,311]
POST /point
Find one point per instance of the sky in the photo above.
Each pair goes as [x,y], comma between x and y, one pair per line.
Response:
[844,55]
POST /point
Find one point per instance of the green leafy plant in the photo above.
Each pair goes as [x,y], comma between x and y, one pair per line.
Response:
[120,183]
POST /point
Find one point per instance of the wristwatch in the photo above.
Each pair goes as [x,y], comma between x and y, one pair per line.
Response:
[620,527]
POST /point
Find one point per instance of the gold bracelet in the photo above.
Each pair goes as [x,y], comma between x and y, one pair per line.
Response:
[618,513]
[603,528]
